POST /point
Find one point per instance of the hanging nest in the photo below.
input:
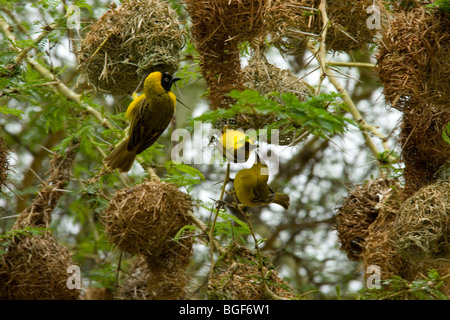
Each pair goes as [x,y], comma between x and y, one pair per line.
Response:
[359,210]
[348,31]
[161,278]
[134,286]
[424,150]
[128,42]
[423,224]
[34,267]
[380,246]
[414,59]
[240,20]
[242,279]
[219,52]
[261,76]
[4,163]
[144,219]
[168,275]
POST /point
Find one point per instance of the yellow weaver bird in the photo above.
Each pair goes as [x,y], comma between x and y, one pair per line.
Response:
[235,145]
[149,115]
[252,189]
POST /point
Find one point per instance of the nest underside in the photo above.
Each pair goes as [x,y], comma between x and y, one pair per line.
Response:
[164,278]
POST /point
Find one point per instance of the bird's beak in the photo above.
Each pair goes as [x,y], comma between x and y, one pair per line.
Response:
[175,79]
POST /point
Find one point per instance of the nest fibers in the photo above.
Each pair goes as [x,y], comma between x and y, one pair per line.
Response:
[128,42]
[240,20]
[34,267]
[414,58]
[242,279]
[424,150]
[348,30]
[144,219]
[164,278]
[360,209]
[219,52]
[379,247]
[423,224]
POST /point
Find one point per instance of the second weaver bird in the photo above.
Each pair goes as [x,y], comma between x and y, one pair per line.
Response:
[149,115]
[252,189]
[235,145]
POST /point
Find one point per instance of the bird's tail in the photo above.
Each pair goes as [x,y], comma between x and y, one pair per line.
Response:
[282,199]
[120,158]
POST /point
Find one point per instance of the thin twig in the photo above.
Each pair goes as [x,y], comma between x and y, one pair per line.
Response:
[262,269]
[350,64]
[213,224]
[320,55]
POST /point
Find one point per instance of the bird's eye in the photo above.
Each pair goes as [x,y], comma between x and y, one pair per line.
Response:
[166,79]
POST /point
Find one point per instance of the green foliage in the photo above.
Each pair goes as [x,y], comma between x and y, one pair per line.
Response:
[182,175]
[397,288]
[446,133]
[443,5]
[384,159]
[27,231]
[321,115]
[15,112]
[231,227]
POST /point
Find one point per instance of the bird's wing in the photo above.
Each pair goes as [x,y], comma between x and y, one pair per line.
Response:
[151,118]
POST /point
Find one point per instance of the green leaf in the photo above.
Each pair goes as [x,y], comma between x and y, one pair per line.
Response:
[15,112]
[181,232]
[181,174]
[446,133]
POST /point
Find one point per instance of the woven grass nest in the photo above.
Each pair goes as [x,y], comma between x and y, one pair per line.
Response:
[241,279]
[35,268]
[414,59]
[128,42]
[379,246]
[359,210]
[164,278]
[144,219]
[348,30]
[240,20]
[424,150]
[262,76]
[134,286]
[423,224]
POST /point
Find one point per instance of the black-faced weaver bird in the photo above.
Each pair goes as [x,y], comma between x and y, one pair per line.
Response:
[149,115]
[252,189]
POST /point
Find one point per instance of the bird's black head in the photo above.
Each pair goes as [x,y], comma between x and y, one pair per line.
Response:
[167,80]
